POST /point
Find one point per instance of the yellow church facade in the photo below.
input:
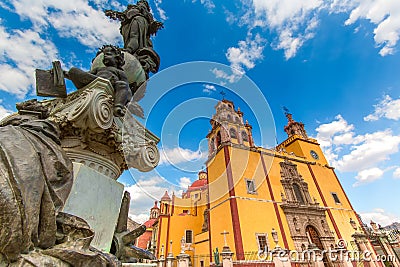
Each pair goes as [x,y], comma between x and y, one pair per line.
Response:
[254,199]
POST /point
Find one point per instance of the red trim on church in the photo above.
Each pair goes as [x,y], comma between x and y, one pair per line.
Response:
[209,218]
[237,234]
[324,202]
[278,216]
[341,187]
[159,235]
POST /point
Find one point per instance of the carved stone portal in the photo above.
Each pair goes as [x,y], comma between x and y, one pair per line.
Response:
[302,213]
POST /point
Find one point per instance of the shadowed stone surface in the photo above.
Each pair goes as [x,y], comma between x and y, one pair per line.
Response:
[95,198]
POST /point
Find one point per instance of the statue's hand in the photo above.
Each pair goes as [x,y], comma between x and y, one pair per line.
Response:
[155,26]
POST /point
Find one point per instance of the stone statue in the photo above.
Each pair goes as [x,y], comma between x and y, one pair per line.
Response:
[216,257]
[35,181]
[137,25]
[42,144]
[113,61]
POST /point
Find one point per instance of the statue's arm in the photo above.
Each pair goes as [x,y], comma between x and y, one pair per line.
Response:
[155,26]
[122,76]
[115,15]
[94,71]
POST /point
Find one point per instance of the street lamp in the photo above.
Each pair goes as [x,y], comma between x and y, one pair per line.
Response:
[353,224]
[274,234]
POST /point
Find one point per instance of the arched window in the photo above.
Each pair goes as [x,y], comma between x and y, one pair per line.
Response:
[245,137]
[218,139]
[297,192]
[232,132]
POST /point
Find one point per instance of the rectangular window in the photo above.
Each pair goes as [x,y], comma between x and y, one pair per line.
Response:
[189,236]
[251,188]
[336,198]
[185,211]
[262,242]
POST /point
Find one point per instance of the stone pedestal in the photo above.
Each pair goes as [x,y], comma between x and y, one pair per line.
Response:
[280,258]
[95,198]
[226,255]
[161,261]
[318,259]
[170,260]
[183,260]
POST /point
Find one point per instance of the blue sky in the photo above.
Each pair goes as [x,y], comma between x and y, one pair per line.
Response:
[335,64]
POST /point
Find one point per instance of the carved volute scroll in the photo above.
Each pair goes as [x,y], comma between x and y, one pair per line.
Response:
[91,135]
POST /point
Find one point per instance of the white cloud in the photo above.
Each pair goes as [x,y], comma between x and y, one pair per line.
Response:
[209,88]
[247,53]
[363,153]
[385,14]
[291,42]
[375,148]
[396,173]
[4,112]
[327,131]
[161,12]
[179,155]
[139,218]
[73,19]
[184,182]
[220,74]
[208,4]
[147,190]
[294,22]
[144,193]
[242,58]
[368,176]
[25,50]
[379,216]
[388,108]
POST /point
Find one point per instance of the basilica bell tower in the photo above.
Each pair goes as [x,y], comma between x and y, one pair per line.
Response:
[228,127]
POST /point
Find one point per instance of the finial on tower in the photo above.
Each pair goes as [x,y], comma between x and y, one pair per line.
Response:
[222,93]
[287,114]
[293,127]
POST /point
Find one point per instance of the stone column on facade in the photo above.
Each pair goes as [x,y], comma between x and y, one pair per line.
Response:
[226,255]
[170,256]
[360,240]
[161,259]
[346,258]
[183,258]
[280,257]
[319,259]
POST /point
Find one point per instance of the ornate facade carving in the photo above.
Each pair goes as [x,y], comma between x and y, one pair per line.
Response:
[90,134]
[302,212]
